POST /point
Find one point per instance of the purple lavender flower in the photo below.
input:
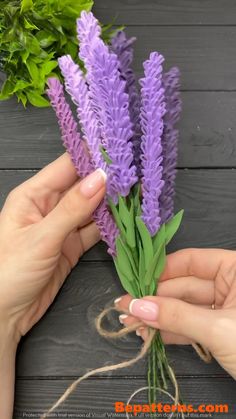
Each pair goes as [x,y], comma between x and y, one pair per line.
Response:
[70,135]
[79,156]
[169,142]
[123,48]
[152,113]
[77,87]
[109,98]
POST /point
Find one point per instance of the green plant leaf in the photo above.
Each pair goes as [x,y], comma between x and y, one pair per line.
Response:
[47,68]
[146,241]
[150,275]
[26,5]
[128,286]
[105,155]
[141,269]
[127,218]
[20,85]
[7,89]
[173,225]
[33,71]
[36,99]
[116,216]
[159,238]
[46,38]
[125,259]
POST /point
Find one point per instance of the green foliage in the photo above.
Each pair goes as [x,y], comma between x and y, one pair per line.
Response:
[140,258]
[33,34]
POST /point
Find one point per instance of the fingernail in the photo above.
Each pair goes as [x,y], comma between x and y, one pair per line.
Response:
[144,309]
[117,300]
[139,331]
[93,183]
[122,317]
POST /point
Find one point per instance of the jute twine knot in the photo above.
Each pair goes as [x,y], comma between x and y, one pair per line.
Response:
[203,353]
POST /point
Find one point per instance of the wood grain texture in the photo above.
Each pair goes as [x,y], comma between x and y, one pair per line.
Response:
[30,138]
[162,12]
[205,55]
[96,397]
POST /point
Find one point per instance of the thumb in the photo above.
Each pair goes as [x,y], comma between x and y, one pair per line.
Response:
[176,316]
[75,208]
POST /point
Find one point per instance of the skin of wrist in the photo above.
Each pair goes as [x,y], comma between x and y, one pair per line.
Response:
[9,334]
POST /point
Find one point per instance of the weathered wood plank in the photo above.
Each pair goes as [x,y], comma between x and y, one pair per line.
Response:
[96,398]
[162,12]
[205,55]
[30,138]
[65,342]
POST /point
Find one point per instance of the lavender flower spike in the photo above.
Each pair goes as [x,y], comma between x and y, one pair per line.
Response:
[123,48]
[152,112]
[70,135]
[107,91]
[76,86]
[79,156]
[169,142]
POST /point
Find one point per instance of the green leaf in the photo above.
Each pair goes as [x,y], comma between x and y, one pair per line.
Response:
[29,25]
[173,225]
[141,269]
[158,259]
[20,85]
[125,259]
[105,155]
[128,286]
[36,99]
[159,238]
[7,89]
[26,5]
[46,38]
[47,68]
[33,71]
[21,98]
[116,216]
[127,218]
[146,241]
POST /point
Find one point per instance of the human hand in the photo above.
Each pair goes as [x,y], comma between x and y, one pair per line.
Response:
[194,281]
[45,226]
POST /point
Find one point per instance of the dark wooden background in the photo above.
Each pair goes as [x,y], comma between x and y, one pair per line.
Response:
[200,37]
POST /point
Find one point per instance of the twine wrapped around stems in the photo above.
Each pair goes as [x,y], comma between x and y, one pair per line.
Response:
[203,353]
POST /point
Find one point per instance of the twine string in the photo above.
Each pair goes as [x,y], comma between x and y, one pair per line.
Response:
[203,353]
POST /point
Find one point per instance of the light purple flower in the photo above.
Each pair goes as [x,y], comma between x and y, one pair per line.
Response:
[123,48]
[107,92]
[79,156]
[77,88]
[171,85]
[152,113]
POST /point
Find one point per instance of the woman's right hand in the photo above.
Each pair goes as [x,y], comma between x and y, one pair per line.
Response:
[196,302]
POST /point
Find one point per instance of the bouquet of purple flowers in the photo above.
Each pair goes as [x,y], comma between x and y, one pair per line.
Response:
[132,136]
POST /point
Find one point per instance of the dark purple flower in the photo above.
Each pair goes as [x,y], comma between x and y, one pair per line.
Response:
[79,156]
[123,48]
[171,85]
[109,98]
[69,130]
[77,88]
[152,112]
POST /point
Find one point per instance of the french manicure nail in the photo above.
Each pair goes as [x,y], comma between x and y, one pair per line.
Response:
[117,300]
[122,317]
[93,183]
[144,309]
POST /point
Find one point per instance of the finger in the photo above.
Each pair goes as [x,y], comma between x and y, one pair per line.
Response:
[74,209]
[57,176]
[190,289]
[175,316]
[202,263]
[78,242]
[142,331]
